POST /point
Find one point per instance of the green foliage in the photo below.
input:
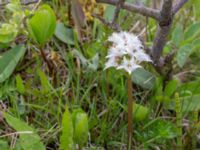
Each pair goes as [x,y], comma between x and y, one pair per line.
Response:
[183,54]
[42,24]
[46,86]
[81,130]
[143,78]
[170,88]
[66,139]
[80,82]
[192,31]
[10,29]
[157,131]
[19,84]
[110,10]
[9,60]
[177,35]
[8,32]
[4,145]
[189,97]
[186,41]
[29,140]
[140,112]
[64,34]
[74,129]
[178,121]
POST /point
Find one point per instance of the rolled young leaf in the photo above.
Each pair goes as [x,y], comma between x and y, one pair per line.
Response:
[80,122]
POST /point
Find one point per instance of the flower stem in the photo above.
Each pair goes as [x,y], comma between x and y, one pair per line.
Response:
[130,110]
[178,121]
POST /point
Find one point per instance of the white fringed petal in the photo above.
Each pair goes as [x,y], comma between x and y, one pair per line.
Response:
[127,52]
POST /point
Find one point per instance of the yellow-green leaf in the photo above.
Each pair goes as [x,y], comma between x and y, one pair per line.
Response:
[42,24]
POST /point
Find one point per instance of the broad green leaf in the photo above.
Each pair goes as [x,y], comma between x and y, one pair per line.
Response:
[158,91]
[188,103]
[3,145]
[177,35]
[109,12]
[140,112]
[64,34]
[183,54]
[28,138]
[66,139]
[42,25]
[196,45]
[143,78]
[81,129]
[9,60]
[192,31]
[190,88]
[19,84]
[171,88]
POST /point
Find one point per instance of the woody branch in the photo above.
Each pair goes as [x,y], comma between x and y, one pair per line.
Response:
[164,18]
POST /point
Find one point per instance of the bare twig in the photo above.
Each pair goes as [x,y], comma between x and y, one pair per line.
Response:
[145,11]
[164,18]
[107,23]
[117,11]
[178,6]
[163,30]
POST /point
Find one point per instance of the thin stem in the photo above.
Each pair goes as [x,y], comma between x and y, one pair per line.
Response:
[130,110]
[44,57]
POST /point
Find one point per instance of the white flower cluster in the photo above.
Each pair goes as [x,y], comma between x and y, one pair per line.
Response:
[126,52]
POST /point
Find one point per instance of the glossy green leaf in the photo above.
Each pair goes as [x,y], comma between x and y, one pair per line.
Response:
[9,60]
[143,78]
[192,30]
[28,138]
[64,34]
[66,138]
[183,54]
[177,35]
[42,24]
[81,129]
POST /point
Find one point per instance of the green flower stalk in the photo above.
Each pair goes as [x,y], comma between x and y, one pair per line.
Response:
[178,121]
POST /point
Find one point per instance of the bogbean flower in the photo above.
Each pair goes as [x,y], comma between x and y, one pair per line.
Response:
[126,52]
